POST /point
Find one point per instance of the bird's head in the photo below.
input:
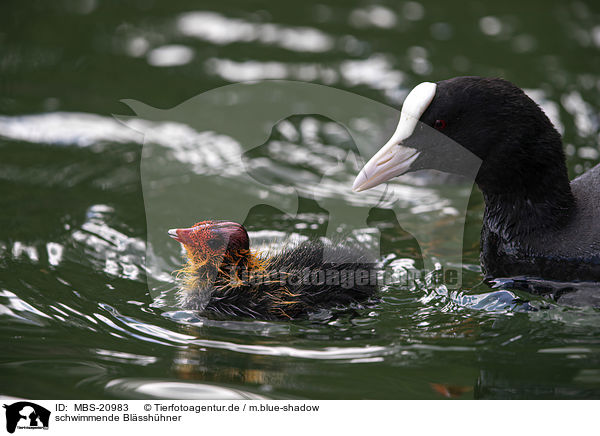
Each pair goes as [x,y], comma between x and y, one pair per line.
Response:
[487,128]
[213,247]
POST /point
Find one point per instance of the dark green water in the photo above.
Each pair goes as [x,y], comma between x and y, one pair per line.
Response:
[76,317]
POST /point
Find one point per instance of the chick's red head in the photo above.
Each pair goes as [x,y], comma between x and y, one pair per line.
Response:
[217,240]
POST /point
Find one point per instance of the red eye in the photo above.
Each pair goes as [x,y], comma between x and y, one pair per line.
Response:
[440,124]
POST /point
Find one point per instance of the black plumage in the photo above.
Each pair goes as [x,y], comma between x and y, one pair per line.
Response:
[536,223]
[288,283]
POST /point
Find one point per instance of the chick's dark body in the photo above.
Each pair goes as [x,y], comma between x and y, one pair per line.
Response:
[294,282]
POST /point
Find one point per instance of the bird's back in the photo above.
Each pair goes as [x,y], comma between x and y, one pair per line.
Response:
[297,280]
[580,238]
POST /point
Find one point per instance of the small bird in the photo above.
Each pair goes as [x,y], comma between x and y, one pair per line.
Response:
[536,223]
[224,276]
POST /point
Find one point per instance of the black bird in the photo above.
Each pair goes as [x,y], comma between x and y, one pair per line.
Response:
[224,276]
[536,223]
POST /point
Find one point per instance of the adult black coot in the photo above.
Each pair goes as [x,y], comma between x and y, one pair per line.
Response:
[224,276]
[536,223]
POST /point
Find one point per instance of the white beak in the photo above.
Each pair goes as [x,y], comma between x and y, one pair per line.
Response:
[394,159]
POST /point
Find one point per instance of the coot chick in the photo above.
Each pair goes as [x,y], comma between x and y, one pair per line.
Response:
[223,275]
[536,223]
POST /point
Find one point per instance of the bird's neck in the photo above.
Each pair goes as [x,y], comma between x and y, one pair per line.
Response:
[202,275]
[533,195]
[229,270]
[529,206]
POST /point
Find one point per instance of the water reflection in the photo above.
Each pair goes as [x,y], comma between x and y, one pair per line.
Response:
[135,388]
[221,30]
[76,317]
[168,55]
